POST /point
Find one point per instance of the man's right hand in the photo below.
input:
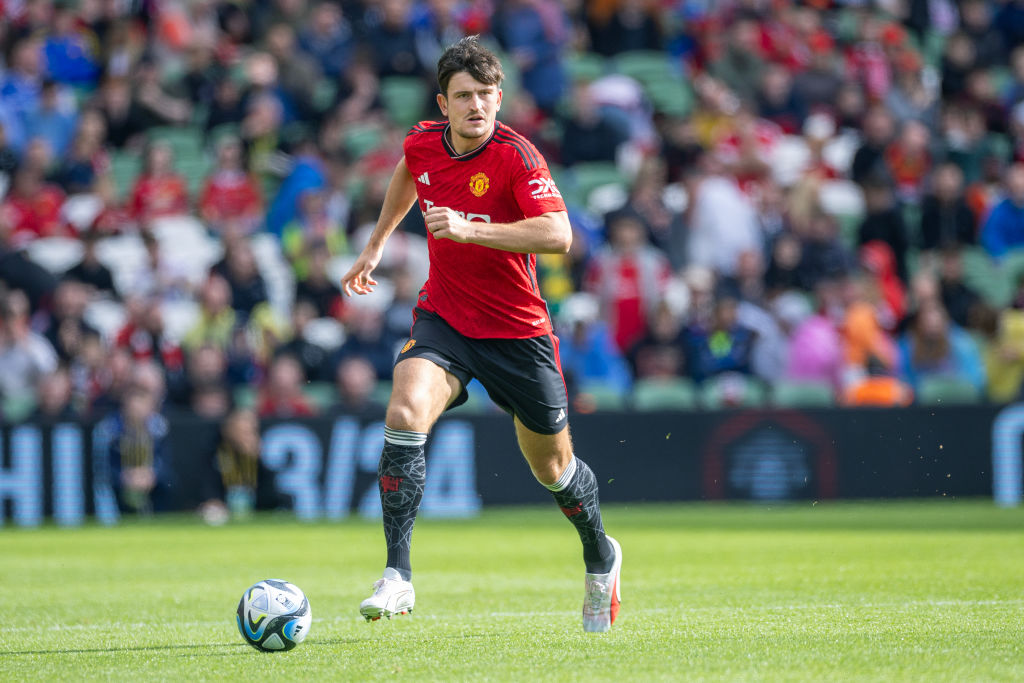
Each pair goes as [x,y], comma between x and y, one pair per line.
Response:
[357,280]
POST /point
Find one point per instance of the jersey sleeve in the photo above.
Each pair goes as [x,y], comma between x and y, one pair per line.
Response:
[535,191]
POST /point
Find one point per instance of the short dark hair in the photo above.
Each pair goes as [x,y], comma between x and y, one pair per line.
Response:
[470,56]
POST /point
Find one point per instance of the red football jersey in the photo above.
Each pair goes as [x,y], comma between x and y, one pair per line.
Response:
[482,292]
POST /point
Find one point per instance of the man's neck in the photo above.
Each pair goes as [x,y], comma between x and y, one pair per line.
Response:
[463,145]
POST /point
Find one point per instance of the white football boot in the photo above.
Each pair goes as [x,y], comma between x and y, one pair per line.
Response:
[602,596]
[391,596]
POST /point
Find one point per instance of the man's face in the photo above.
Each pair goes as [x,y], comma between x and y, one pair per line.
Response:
[471,106]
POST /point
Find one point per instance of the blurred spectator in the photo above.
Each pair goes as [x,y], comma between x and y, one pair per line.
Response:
[313,228]
[238,267]
[622,26]
[824,255]
[392,41]
[869,159]
[84,168]
[299,72]
[369,338]
[316,287]
[109,380]
[239,483]
[70,50]
[976,23]
[54,403]
[230,194]
[946,220]
[144,336]
[312,357]
[815,348]
[20,87]
[589,134]
[1003,230]
[1004,358]
[723,223]
[778,101]
[216,319]
[628,276]
[226,107]
[533,33]
[879,265]
[934,347]
[784,265]
[884,222]
[52,121]
[355,381]
[205,366]
[660,353]
[90,271]
[67,327]
[124,118]
[282,395]
[328,38]
[159,277]
[819,85]
[32,207]
[155,103]
[910,99]
[308,173]
[398,316]
[586,349]
[159,191]
[909,160]
[724,347]
[741,66]
[864,326]
[140,464]
[25,356]
[879,388]
[960,300]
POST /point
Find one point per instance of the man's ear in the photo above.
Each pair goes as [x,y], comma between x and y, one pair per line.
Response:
[499,99]
[442,104]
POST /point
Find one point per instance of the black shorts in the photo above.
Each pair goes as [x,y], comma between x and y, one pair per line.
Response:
[522,376]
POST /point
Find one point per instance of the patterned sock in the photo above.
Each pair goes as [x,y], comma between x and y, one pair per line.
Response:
[576,494]
[401,475]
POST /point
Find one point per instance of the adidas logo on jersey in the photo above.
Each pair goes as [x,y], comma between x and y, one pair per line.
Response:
[425,179]
[561,415]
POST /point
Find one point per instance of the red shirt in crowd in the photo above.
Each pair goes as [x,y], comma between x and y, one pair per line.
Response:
[158,196]
[32,217]
[230,195]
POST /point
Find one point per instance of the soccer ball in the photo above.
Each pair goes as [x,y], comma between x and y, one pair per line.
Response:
[273,615]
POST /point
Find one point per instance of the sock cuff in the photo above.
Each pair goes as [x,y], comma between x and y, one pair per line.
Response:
[402,437]
[567,474]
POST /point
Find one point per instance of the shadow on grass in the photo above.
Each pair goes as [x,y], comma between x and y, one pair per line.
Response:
[211,649]
[141,648]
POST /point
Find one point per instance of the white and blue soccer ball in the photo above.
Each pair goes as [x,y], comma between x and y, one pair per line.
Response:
[274,615]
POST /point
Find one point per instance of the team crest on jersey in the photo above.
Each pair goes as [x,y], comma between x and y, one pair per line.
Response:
[408,345]
[479,184]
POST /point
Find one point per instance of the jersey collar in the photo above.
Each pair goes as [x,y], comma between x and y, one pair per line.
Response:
[471,153]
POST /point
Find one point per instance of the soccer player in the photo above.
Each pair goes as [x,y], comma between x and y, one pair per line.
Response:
[490,206]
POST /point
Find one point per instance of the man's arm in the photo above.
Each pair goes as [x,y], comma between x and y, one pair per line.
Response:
[400,197]
[549,233]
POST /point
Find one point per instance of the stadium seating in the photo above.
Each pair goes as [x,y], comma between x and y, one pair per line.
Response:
[404,99]
[946,390]
[17,408]
[786,394]
[732,392]
[603,396]
[584,178]
[586,66]
[322,395]
[662,394]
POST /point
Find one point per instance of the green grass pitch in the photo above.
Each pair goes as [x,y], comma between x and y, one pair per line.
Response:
[878,591]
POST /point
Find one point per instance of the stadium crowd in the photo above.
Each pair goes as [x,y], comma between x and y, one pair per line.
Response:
[802,202]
